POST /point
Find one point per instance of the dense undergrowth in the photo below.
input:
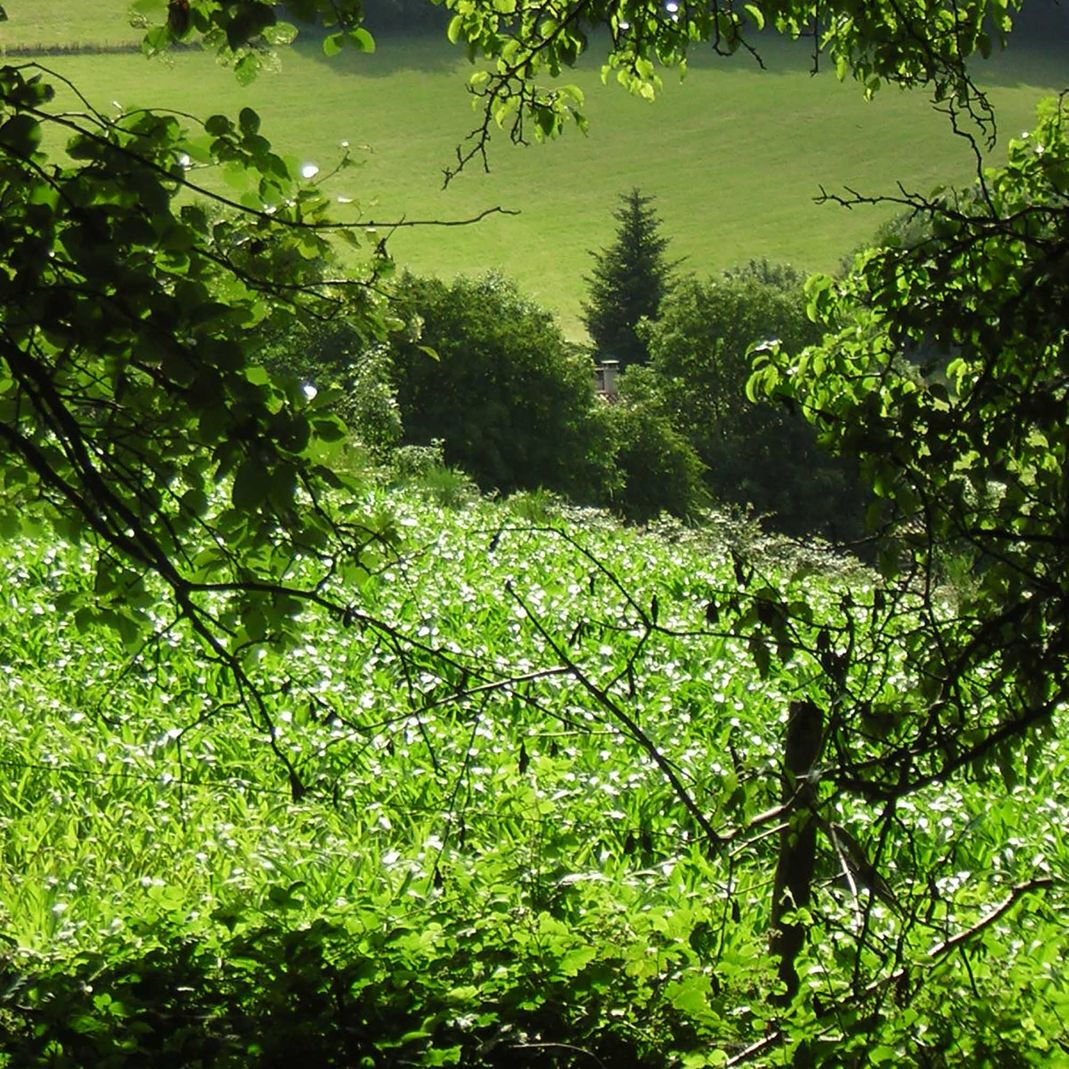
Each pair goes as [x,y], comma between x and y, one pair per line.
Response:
[485,865]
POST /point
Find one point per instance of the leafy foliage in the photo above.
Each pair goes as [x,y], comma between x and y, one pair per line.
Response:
[630,279]
[974,460]
[504,864]
[493,379]
[132,414]
[908,44]
[760,455]
[336,356]
[578,735]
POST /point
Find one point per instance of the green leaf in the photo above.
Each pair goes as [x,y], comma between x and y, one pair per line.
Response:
[195,502]
[332,44]
[249,121]
[282,33]
[21,134]
[218,125]
[760,653]
[572,963]
[247,68]
[257,375]
[690,996]
[251,486]
[363,40]
[330,429]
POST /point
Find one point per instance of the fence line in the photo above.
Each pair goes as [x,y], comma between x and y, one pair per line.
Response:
[86,48]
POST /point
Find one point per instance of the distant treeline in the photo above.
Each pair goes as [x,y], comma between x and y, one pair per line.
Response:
[381,16]
[77,48]
[1043,20]
[404,15]
[393,16]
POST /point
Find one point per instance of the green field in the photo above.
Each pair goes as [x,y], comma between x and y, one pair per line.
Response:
[735,155]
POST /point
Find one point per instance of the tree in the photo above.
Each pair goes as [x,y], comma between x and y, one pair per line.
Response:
[493,378]
[972,462]
[629,281]
[761,455]
[127,393]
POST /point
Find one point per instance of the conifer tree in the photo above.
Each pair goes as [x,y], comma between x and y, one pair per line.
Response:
[629,280]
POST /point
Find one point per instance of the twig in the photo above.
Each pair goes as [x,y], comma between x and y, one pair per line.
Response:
[558,1046]
[1037,883]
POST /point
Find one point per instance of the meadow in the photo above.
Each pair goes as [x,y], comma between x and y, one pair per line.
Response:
[479,877]
[735,155]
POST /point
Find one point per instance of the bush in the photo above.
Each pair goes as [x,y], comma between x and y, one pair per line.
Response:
[423,468]
[656,468]
[370,407]
[339,993]
[511,401]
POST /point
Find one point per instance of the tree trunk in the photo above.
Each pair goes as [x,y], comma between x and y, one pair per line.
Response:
[798,840]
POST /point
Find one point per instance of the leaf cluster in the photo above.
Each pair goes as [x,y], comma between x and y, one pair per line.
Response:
[965,446]
[907,44]
[133,415]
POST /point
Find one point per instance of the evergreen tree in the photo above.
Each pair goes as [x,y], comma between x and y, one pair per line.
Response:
[629,280]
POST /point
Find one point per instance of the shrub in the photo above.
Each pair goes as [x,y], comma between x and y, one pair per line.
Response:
[656,468]
[511,401]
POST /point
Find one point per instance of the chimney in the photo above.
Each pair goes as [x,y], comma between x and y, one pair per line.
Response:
[605,375]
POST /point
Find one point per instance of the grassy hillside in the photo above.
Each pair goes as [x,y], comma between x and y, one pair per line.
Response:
[735,155]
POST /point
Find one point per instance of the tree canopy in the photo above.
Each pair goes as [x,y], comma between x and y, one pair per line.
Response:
[765,456]
[493,378]
[971,462]
[130,398]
